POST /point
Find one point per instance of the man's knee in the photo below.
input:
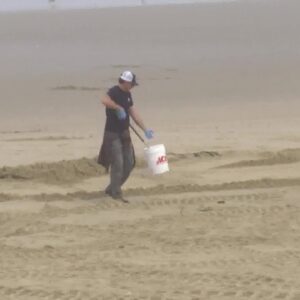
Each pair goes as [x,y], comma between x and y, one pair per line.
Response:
[128,169]
[117,166]
[129,161]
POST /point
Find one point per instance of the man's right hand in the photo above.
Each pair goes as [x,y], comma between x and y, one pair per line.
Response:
[121,113]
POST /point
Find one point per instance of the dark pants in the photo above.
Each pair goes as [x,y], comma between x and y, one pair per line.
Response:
[122,163]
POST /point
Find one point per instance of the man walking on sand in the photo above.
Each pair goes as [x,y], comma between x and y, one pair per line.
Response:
[117,151]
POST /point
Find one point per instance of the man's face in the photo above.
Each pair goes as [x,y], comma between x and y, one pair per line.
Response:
[128,85]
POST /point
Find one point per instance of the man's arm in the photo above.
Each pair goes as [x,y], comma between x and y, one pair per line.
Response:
[109,103]
[136,118]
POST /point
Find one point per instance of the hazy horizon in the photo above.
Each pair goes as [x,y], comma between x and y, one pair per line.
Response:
[29,5]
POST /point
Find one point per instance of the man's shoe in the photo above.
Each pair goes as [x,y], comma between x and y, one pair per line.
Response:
[108,192]
[119,197]
[115,196]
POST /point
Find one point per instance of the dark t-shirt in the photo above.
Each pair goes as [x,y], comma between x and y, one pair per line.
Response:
[123,99]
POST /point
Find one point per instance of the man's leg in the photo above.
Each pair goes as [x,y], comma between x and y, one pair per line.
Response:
[116,171]
[128,161]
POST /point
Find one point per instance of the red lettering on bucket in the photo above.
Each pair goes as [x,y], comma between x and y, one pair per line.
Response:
[161,160]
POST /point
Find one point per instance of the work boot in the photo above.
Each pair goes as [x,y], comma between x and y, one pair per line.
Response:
[119,197]
[107,192]
[115,196]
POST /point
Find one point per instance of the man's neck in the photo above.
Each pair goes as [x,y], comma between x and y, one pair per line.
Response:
[122,88]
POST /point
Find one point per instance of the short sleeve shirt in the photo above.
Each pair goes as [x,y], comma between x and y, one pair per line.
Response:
[124,99]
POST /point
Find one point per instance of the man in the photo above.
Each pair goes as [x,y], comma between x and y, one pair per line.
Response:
[117,150]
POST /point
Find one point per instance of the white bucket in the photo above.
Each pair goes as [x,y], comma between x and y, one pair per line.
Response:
[157,159]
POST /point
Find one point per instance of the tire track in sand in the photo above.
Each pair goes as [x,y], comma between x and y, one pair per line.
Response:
[208,250]
[265,183]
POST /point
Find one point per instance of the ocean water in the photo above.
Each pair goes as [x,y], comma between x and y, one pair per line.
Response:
[29,5]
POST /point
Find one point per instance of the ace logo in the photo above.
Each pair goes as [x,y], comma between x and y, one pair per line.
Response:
[161,159]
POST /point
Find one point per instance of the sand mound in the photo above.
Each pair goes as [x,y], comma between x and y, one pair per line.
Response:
[283,157]
[6,197]
[56,172]
[235,185]
[174,157]
[67,171]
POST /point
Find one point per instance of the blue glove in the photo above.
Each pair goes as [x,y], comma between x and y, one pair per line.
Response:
[121,114]
[149,133]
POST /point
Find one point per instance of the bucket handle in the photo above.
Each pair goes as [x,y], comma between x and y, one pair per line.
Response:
[139,136]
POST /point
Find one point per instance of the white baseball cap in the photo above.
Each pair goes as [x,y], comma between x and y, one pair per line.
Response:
[129,77]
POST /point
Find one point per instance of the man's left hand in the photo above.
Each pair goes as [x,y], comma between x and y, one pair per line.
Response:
[149,133]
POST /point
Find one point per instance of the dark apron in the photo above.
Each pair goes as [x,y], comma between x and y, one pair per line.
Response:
[104,157]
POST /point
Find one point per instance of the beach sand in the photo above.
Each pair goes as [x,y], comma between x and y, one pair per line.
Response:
[219,86]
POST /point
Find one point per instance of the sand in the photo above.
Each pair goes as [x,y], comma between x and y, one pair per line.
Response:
[219,86]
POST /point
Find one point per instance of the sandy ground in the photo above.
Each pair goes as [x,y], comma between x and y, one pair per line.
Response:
[219,85]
